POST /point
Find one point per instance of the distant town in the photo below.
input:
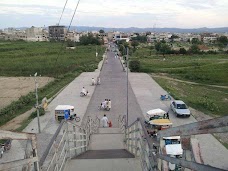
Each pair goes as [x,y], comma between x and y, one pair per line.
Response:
[60,33]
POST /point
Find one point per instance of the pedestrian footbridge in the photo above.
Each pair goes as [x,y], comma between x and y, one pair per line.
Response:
[122,148]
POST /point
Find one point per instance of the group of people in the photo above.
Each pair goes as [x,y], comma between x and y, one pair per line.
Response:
[96,82]
[106,104]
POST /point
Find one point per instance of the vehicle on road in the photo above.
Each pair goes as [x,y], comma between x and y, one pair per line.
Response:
[84,94]
[5,147]
[155,114]
[165,97]
[180,108]
[66,112]
[155,125]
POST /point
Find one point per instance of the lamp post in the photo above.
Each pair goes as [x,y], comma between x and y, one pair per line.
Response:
[126,52]
[37,103]
[127,86]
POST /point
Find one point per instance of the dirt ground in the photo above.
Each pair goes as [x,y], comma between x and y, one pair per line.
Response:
[12,88]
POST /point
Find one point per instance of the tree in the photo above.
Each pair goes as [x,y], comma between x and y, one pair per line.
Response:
[158,46]
[223,40]
[89,39]
[134,66]
[134,43]
[196,41]
[70,43]
[165,49]
[194,49]
[183,51]
[101,31]
[148,33]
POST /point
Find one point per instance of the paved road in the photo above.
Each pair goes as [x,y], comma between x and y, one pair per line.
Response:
[114,86]
[148,92]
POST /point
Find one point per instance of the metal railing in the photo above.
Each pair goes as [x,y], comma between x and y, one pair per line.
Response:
[30,161]
[122,122]
[149,151]
[69,141]
[138,143]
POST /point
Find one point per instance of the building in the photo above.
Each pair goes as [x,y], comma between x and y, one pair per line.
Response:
[36,34]
[57,33]
[73,36]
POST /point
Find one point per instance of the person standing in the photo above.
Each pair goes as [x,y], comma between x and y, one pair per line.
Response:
[93,81]
[104,121]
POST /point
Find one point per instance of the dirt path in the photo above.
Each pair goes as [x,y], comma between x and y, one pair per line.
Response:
[12,88]
[182,81]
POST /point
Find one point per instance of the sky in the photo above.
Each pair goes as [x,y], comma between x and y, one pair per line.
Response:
[115,13]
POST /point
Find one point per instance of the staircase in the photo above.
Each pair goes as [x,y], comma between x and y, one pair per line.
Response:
[106,152]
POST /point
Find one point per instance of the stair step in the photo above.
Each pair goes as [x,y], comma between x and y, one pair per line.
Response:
[105,154]
[106,141]
[124,164]
[109,131]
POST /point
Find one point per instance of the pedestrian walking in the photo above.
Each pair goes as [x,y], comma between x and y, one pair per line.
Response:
[104,121]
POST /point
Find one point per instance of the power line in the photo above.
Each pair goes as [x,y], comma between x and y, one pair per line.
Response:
[67,31]
[62,12]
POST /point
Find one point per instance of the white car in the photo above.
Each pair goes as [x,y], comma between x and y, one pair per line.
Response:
[180,108]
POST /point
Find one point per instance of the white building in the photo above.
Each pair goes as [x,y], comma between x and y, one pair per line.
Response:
[36,34]
[73,36]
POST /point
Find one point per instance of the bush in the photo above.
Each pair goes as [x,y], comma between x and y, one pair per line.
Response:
[134,66]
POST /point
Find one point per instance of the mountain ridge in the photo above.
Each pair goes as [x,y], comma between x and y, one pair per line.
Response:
[137,29]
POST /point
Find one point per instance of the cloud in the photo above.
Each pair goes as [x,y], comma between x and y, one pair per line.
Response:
[119,13]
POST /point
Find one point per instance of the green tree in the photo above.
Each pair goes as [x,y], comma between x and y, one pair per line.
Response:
[165,49]
[101,31]
[158,46]
[134,43]
[70,43]
[89,39]
[182,51]
[194,49]
[134,66]
[223,40]
[196,41]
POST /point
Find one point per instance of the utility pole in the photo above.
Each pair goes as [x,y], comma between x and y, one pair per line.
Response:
[127,85]
[37,103]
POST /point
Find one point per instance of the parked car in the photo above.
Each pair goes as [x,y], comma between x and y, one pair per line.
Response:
[180,108]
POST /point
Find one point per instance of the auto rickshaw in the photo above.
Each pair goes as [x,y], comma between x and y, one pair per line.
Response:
[155,125]
[155,114]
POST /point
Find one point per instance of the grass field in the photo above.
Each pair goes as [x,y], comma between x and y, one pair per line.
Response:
[204,70]
[47,59]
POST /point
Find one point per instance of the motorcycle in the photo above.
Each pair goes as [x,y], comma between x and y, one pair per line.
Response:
[165,97]
[5,147]
[84,94]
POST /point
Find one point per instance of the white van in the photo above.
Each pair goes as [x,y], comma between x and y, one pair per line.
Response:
[62,110]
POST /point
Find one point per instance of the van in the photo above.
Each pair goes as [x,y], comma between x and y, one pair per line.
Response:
[63,112]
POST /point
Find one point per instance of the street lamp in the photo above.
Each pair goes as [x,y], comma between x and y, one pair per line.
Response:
[127,85]
[126,51]
[37,103]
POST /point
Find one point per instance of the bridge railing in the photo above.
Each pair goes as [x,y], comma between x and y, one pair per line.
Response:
[69,141]
[149,151]
[30,160]
[137,142]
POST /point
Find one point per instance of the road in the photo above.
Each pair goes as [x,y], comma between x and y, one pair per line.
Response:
[114,86]
[144,94]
